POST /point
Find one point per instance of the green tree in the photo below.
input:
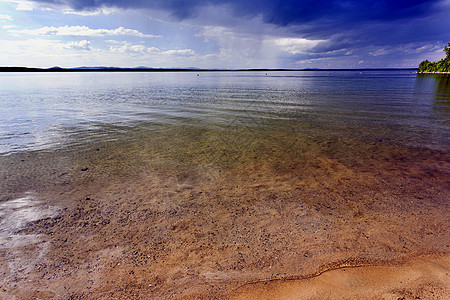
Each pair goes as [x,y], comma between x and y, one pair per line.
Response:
[447,51]
[441,66]
[424,66]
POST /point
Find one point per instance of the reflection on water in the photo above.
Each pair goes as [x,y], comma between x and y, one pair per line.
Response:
[49,111]
[442,96]
[439,84]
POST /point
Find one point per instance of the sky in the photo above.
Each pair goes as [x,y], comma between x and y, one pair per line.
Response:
[223,33]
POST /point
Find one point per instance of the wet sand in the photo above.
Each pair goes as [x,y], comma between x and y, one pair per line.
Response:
[286,216]
[421,278]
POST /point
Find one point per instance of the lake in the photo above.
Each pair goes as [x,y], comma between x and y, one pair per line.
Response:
[203,181]
[54,110]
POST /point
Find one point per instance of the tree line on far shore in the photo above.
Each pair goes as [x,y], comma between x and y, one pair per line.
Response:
[440,66]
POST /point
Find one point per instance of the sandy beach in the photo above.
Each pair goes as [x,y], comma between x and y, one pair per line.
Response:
[419,278]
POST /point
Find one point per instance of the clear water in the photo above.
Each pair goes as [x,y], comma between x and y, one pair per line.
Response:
[54,110]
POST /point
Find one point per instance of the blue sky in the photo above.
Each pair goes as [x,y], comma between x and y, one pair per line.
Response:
[223,33]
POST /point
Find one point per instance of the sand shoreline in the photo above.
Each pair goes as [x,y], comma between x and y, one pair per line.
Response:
[433,72]
[409,276]
[422,277]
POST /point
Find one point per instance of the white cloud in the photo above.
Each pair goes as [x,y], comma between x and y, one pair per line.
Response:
[128,48]
[183,52]
[5,17]
[420,48]
[14,52]
[295,45]
[152,49]
[23,4]
[82,31]
[115,42]
[7,26]
[30,52]
[412,48]
[141,49]
[96,12]
[60,6]
[47,53]
[381,51]
[238,49]
[312,60]
[81,45]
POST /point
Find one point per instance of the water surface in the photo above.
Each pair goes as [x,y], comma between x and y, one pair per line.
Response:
[163,184]
[54,110]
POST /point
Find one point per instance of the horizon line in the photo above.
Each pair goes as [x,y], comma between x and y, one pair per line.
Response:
[176,69]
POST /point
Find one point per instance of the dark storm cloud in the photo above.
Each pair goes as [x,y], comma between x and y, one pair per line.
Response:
[279,12]
[346,27]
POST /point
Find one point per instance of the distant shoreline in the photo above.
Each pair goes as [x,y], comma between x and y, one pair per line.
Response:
[433,72]
[114,69]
